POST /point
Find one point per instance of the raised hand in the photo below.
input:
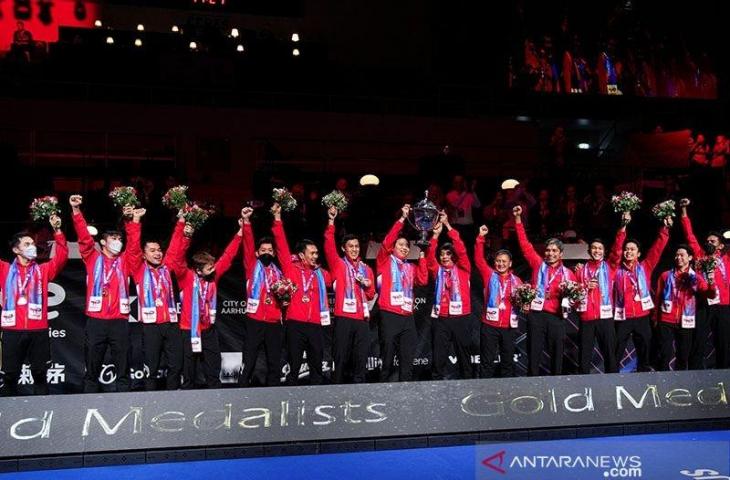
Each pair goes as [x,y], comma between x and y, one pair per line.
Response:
[246,213]
[189,230]
[668,222]
[128,211]
[75,201]
[483,231]
[405,210]
[684,202]
[138,213]
[55,222]
[332,213]
[437,229]
[444,219]
[625,218]
[517,211]
[276,211]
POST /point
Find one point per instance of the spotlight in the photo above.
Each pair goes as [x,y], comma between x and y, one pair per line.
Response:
[93,231]
[140,27]
[295,37]
[584,146]
[138,42]
[583,122]
[110,40]
[97,23]
[234,33]
[175,28]
[522,118]
[295,52]
[239,48]
[369,180]
[509,184]
[726,235]
[193,46]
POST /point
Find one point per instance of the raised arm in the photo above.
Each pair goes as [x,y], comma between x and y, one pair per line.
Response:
[133,254]
[528,251]
[697,250]
[229,254]
[249,246]
[479,260]
[421,277]
[614,256]
[432,263]
[282,245]
[173,247]
[462,257]
[181,239]
[655,252]
[330,246]
[389,241]
[56,264]
[86,241]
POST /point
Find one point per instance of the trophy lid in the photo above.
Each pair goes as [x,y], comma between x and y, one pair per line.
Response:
[425,203]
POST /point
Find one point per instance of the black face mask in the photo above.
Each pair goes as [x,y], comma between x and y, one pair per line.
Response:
[266,258]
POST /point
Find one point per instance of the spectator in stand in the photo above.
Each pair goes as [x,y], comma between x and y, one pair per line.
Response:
[461,201]
[597,212]
[699,151]
[436,195]
[22,41]
[576,76]
[568,210]
[542,217]
[608,70]
[558,143]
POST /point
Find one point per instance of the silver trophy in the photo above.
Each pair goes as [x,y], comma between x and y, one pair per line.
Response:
[425,215]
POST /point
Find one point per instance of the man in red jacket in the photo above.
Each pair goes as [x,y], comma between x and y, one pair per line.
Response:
[157,310]
[309,310]
[263,310]
[677,294]
[632,295]
[24,285]
[713,313]
[107,293]
[198,298]
[545,323]
[596,311]
[499,321]
[354,286]
[397,278]
[452,300]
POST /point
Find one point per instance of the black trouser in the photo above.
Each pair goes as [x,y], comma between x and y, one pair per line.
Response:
[157,338]
[211,359]
[542,328]
[16,346]
[705,321]
[671,336]
[720,324]
[100,335]
[456,330]
[351,343]
[640,329]
[271,337]
[604,331]
[397,333]
[492,340]
[301,337]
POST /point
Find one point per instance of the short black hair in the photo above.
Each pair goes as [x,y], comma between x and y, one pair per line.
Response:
[302,245]
[597,240]
[264,240]
[404,237]
[147,241]
[684,246]
[555,241]
[15,239]
[347,237]
[449,247]
[503,251]
[715,233]
[111,233]
[634,241]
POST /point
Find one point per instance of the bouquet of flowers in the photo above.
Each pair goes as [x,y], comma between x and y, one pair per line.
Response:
[335,199]
[283,197]
[573,291]
[123,196]
[195,215]
[523,295]
[706,264]
[625,202]
[43,207]
[283,289]
[176,198]
[663,210]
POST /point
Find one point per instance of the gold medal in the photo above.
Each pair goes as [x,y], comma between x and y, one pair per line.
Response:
[305,298]
[104,292]
[22,300]
[268,301]
[158,302]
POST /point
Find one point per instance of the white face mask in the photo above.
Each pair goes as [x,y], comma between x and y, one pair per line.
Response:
[114,246]
[30,252]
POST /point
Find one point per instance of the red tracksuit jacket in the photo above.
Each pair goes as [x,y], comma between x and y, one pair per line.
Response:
[463,271]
